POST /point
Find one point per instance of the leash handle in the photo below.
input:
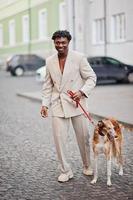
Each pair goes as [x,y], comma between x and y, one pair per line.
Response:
[78,104]
[71,96]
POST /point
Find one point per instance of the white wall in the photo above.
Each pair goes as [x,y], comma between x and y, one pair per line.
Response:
[121,50]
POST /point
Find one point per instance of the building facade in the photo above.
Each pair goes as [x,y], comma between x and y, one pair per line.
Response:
[102,27]
[98,27]
[26,26]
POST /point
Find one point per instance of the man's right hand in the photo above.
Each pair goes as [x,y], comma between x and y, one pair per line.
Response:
[44,111]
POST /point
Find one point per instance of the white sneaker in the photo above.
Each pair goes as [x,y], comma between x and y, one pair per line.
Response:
[65,176]
[88,171]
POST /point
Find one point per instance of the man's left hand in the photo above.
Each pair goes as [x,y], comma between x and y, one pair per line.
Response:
[77,96]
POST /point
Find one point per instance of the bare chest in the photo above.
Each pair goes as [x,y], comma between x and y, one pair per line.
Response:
[62,64]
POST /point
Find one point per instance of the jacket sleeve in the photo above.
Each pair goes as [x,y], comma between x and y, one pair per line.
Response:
[88,76]
[47,89]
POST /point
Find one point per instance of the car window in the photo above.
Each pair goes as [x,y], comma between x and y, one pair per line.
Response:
[98,61]
[110,61]
[91,61]
[33,57]
[15,58]
[29,59]
[95,61]
[25,58]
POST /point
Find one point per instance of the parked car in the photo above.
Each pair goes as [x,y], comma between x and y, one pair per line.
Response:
[110,69]
[17,65]
[40,74]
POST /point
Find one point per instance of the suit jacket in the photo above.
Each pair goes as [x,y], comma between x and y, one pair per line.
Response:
[77,75]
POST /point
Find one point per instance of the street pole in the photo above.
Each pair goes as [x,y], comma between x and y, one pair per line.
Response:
[29,12]
[73,21]
[105,28]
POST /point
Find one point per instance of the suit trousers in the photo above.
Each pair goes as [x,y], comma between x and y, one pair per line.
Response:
[60,130]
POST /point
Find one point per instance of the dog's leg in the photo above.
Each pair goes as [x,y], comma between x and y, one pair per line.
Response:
[120,170]
[95,170]
[119,158]
[120,164]
[109,170]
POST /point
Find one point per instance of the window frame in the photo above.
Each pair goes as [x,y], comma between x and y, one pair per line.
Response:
[1,36]
[12,32]
[25,34]
[42,35]
[98,31]
[118,27]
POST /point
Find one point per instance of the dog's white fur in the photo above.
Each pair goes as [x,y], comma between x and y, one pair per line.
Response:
[107,139]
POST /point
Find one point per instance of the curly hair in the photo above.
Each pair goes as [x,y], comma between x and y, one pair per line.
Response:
[61,33]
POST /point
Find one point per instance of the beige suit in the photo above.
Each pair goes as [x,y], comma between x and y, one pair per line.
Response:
[77,75]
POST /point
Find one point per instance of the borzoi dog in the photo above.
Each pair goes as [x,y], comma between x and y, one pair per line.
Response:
[107,139]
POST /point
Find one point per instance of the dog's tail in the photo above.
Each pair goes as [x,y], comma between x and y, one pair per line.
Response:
[128,128]
[116,141]
[114,150]
[117,153]
[119,125]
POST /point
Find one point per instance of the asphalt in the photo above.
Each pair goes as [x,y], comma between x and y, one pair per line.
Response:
[105,101]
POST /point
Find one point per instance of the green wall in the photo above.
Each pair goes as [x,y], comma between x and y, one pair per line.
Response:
[16,11]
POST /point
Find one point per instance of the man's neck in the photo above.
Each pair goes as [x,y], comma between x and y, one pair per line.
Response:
[64,55]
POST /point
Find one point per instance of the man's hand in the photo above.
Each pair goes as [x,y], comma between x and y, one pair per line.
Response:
[44,111]
[77,96]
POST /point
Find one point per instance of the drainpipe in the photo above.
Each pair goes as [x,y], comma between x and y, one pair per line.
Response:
[105,28]
[73,23]
[29,12]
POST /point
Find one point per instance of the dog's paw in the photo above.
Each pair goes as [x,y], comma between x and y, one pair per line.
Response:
[93,181]
[109,183]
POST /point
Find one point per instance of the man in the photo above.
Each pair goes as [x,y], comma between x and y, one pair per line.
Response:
[68,70]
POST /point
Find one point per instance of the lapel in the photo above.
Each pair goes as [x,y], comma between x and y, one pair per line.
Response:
[67,70]
[67,73]
[56,70]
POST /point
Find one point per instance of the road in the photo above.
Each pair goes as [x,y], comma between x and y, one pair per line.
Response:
[28,166]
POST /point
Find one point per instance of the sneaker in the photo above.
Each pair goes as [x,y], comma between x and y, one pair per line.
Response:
[88,171]
[65,176]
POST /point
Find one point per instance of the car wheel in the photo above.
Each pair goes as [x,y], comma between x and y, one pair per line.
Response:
[130,77]
[19,71]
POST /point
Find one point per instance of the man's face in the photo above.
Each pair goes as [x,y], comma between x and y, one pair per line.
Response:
[61,45]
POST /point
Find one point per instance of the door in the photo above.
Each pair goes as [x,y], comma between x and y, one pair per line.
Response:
[114,69]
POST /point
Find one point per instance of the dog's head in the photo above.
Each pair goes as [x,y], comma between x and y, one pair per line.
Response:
[106,128]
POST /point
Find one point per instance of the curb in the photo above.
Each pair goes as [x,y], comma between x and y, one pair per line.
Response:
[37,99]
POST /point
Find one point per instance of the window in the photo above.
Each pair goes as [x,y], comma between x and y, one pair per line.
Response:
[62,16]
[98,31]
[1,35]
[25,28]
[43,24]
[118,27]
[111,61]
[98,61]
[95,61]
[12,35]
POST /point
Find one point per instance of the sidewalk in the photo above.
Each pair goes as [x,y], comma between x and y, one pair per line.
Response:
[105,101]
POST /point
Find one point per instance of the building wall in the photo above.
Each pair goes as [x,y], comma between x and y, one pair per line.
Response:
[124,49]
[121,49]
[85,18]
[79,17]
[16,9]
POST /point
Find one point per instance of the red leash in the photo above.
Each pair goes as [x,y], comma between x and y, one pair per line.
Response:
[78,104]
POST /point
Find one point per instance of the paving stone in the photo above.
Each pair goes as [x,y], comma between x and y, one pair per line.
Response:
[28,166]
